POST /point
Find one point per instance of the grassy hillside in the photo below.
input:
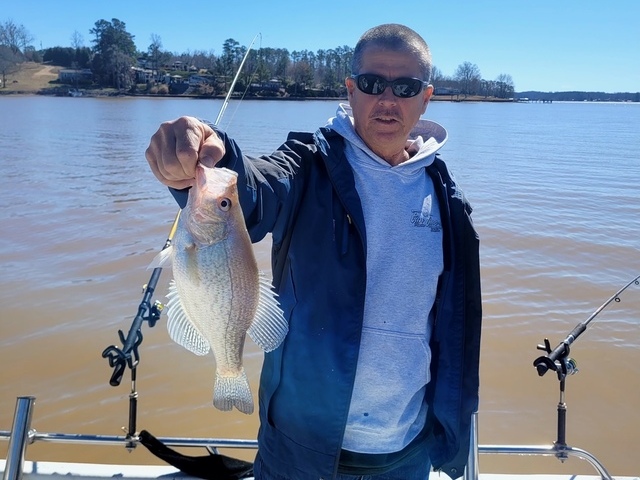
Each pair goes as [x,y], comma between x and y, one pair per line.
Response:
[31,78]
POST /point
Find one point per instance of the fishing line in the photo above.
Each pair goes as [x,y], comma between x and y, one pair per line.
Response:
[248,85]
[233,84]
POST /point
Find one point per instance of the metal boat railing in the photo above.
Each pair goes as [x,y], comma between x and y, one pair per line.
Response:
[22,435]
[562,452]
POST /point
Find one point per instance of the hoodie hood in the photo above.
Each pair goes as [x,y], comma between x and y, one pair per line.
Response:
[424,141]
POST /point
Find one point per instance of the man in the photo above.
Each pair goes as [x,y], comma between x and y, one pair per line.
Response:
[375,260]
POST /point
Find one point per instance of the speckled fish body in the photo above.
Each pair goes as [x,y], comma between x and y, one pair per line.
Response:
[217,294]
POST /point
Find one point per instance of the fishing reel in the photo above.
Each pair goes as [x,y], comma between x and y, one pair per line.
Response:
[154,312]
[128,355]
[557,360]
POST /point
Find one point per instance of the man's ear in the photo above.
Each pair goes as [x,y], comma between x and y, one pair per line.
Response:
[426,96]
[350,83]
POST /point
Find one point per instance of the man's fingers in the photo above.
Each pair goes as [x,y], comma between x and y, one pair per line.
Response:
[162,157]
[169,176]
[176,148]
[212,149]
[188,138]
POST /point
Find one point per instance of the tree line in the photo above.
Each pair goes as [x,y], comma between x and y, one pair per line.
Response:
[575,96]
[115,62]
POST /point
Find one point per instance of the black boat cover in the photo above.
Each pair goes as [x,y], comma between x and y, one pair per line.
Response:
[210,467]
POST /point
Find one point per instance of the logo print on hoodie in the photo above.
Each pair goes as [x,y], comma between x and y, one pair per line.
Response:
[423,217]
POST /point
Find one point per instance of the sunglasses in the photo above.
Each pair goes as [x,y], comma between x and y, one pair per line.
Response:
[372,84]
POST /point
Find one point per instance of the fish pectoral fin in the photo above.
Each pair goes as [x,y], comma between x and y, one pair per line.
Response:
[181,329]
[269,327]
[162,259]
[233,391]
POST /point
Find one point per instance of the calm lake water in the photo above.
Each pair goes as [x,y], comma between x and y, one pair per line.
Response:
[555,191]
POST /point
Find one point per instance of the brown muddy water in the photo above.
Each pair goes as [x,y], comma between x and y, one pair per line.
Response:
[555,191]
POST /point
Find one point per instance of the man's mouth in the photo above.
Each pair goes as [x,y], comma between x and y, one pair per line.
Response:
[385,118]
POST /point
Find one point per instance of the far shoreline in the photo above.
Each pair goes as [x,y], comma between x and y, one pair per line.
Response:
[103,93]
[40,79]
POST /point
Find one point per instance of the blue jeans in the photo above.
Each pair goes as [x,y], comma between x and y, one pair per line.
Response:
[417,468]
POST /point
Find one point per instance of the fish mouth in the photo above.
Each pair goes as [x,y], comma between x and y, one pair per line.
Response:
[224,176]
[201,176]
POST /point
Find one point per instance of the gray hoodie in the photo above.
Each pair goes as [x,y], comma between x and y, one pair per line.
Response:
[404,261]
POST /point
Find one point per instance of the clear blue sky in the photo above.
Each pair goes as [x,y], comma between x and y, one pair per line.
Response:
[546,45]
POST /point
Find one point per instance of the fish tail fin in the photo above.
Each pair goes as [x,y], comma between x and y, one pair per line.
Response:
[269,327]
[229,392]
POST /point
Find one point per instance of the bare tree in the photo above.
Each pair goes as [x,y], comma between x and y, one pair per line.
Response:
[436,74]
[9,62]
[156,54]
[77,40]
[504,86]
[14,36]
[468,75]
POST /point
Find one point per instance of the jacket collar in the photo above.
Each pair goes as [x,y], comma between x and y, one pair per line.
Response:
[331,147]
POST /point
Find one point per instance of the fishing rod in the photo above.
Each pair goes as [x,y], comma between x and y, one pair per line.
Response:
[555,359]
[129,355]
[233,83]
[558,360]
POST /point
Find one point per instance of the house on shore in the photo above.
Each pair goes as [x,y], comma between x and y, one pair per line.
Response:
[75,76]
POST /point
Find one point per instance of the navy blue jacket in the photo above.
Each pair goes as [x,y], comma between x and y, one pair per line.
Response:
[304,194]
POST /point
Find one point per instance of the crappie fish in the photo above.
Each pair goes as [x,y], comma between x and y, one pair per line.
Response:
[217,295]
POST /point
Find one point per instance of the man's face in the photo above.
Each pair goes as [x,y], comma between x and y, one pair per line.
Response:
[384,121]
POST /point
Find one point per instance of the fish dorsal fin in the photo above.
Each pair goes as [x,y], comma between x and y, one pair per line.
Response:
[269,326]
[180,328]
[162,259]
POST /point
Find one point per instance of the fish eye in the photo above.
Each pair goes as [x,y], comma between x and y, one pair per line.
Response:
[225,204]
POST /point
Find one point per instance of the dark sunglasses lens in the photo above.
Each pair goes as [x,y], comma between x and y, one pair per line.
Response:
[371,84]
[378,85]
[406,87]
